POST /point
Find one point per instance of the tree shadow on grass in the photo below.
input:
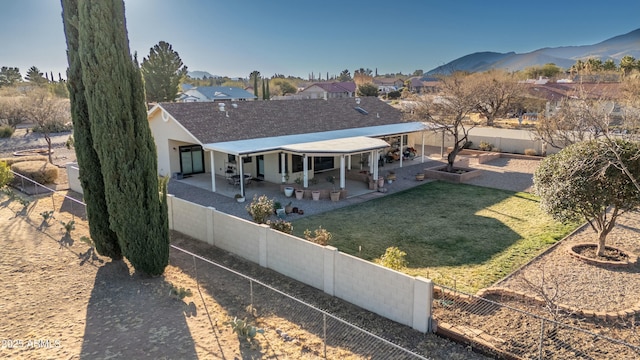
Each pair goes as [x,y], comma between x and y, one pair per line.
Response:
[134,317]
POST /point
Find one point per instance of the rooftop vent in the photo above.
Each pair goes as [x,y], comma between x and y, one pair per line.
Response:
[361,110]
[221,106]
[234,105]
[358,100]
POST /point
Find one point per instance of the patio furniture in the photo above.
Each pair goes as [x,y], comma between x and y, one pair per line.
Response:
[235,179]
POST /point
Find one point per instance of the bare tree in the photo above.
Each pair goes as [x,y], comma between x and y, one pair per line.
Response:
[11,111]
[47,113]
[496,92]
[596,114]
[450,109]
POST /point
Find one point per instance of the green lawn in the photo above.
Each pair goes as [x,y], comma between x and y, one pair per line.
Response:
[458,235]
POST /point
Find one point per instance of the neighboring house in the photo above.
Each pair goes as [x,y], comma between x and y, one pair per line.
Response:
[330,90]
[386,86]
[214,93]
[415,85]
[274,140]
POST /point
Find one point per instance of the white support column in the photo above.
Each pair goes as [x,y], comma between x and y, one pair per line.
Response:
[342,173]
[442,146]
[241,173]
[349,162]
[282,167]
[213,171]
[305,173]
[373,165]
[422,150]
[401,149]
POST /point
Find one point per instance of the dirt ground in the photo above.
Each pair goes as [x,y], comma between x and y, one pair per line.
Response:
[61,300]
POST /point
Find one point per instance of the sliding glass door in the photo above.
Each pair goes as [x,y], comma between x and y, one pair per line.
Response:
[191,159]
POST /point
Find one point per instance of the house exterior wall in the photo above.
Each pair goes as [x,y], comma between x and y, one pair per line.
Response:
[167,135]
[399,297]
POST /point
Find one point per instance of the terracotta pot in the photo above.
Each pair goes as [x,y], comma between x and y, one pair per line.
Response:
[419,177]
[299,194]
[315,195]
[335,195]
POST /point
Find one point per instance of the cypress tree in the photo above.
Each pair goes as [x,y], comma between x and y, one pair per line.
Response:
[104,239]
[255,85]
[121,136]
[268,93]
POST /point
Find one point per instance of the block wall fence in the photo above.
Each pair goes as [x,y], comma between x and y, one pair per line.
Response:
[396,296]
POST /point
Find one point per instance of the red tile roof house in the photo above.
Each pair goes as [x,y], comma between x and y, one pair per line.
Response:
[273,140]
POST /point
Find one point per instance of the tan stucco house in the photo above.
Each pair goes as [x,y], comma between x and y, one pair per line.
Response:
[276,141]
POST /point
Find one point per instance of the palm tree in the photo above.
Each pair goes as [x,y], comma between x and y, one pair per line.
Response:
[627,63]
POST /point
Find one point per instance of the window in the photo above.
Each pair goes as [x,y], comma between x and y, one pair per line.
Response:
[247,160]
[231,158]
[297,163]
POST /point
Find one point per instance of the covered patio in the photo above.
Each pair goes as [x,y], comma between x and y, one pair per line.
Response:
[351,151]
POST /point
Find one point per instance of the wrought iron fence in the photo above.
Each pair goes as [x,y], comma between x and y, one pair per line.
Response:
[511,331]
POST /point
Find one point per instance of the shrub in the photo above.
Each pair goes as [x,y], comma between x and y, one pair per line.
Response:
[393,95]
[16,159]
[260,209]
[530,152]
[244,330]
[68,227]
[47,215]
[281,225]
[6,131]
[5,174]
[485,146]
[320,236]
[180,292]
[39,171]
[393,258]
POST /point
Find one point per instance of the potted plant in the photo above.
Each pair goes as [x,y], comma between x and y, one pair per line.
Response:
[278,209]
[299,194]
[391,176]
[315,195]
[335,194]
[288,191]
[420,176]
[239,198]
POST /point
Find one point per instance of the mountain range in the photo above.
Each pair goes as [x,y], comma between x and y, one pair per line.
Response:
[565,56]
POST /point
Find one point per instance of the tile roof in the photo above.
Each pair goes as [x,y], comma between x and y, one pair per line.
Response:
[262,119]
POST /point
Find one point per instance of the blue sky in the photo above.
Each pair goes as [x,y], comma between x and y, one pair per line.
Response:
[298,37]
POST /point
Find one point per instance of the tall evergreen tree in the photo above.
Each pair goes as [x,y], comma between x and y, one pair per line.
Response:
[35,76]
[162,71]
[121,136]
[104,239]
[9,75]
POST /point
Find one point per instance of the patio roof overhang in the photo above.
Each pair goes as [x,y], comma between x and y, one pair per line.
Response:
[336,142]
[337,146]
